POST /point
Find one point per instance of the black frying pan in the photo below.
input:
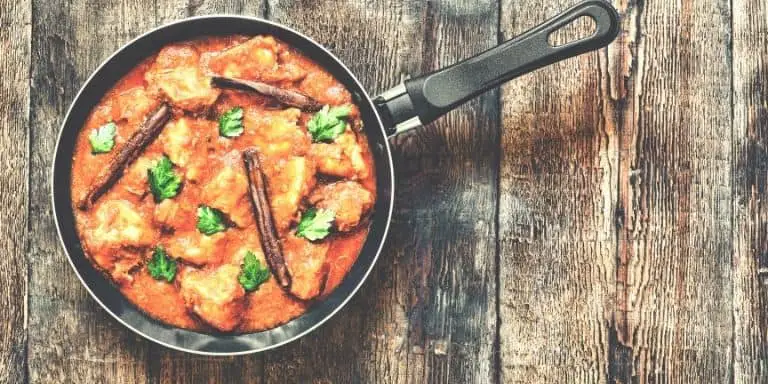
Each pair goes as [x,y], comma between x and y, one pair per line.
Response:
[418,101]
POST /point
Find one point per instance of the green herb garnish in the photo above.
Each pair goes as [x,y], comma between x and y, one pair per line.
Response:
[231,123]
[103,138]
[315,224]
[163,182]
[327,124]
[161,266]
[210,220]
[252,273]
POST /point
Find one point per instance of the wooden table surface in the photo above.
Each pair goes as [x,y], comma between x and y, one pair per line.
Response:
[601,220]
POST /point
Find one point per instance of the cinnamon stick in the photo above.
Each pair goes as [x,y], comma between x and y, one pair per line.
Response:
[284,96]
[265,223]
[129,152]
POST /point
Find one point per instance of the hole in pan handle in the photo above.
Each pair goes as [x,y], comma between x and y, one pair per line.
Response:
[423,99]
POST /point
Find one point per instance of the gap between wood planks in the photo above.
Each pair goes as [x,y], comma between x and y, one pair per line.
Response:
[622,79]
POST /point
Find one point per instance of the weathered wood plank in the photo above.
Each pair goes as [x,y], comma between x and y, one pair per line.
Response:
[427,312]
[750,173]
[556,220]
[170,366]
[71,338]
[15,37]
[171,10]
[622,115]
[674,298]
[459,158]
[178,367]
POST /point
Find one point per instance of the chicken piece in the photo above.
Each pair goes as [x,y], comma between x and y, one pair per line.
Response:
[342,158]
[214,295]
[194,172]
[176,72]
[176,215]
[228,192]
[331,160]
[178,141]
[118,224]
[123,266]
[293,67]
[248,240]
[128,109]
[347,199]
[270,306]
[287,187]
[133,105]
[323,87]
[255,59]
[159,298]
[307,265]
[135,178]
[118,263]
[354,152]
[197,248]
[277,133]
[101,115]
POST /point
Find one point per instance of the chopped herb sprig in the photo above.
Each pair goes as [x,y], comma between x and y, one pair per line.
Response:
[161,267]
[328,123]
[102,139]
[315,224]
[163,181]
[231,123]
[210,220]
[252,273]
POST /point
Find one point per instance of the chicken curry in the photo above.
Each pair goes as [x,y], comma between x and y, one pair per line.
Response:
[224,184]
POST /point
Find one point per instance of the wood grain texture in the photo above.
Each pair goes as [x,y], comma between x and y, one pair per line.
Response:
[168,366]
[556,226]
[427,312]
[15,37]
[601,220]
[674,315]
[171,10]
[750,178]
[622,110]
[71,338]
[448,180]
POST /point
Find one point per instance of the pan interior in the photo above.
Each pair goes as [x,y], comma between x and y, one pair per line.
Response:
[105,77]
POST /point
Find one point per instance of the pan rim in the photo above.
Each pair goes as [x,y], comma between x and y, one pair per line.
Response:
[390,165]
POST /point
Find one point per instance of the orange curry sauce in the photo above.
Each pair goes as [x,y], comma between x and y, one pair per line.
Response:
[120,232]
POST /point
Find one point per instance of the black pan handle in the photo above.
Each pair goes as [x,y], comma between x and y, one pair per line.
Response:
[423,99]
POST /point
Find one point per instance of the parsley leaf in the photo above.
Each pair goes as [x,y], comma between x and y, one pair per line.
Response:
[209,220]
[315,224]
[161,266]
[163,182]
[103,138]
[252,273]
[231,123]
[327,124]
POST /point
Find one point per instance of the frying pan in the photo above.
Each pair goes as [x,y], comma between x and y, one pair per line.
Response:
[415,102]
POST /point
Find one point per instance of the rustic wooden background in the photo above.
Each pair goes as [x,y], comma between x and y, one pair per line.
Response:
[601,220]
